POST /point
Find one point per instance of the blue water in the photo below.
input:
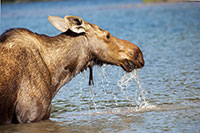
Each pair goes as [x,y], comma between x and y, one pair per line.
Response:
[169,37]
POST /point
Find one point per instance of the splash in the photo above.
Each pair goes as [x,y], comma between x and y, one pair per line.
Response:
[140,98]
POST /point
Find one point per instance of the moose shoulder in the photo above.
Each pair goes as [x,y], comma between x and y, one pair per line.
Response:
[34,67]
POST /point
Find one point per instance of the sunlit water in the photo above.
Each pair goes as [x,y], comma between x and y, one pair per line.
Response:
[162,96]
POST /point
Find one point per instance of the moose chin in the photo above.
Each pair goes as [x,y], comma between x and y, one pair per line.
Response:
[33,67]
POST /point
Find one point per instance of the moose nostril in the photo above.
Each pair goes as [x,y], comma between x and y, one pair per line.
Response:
[141,61]
[138,57]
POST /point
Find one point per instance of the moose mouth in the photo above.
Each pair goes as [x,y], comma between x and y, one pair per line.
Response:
[128,65]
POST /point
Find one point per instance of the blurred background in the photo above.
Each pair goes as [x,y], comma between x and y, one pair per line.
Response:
[168,33]
[18,1]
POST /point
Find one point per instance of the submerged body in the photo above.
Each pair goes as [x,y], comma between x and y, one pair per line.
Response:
[34,67]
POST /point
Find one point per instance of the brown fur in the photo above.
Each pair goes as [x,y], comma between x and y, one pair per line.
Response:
[34,67]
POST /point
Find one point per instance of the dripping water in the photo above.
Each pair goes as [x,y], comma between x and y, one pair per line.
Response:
[93,97]
[81,89]
[137,98]
[140,92]
[124,83]
[103,74]
[105,77]
[140,98]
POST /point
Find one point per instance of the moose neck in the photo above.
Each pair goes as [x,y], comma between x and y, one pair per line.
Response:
[65,56]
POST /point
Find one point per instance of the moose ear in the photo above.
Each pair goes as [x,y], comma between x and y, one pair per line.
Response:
[58,23]
[75,24]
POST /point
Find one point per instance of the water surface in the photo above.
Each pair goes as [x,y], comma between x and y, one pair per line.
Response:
[168,35]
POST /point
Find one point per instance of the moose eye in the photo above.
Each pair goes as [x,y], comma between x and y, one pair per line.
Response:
[108,36]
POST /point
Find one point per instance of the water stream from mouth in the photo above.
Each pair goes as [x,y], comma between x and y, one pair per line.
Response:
[135,99]
[124,83]
[140,99]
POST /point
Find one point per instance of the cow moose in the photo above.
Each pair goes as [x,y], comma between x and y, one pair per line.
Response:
[33,67]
